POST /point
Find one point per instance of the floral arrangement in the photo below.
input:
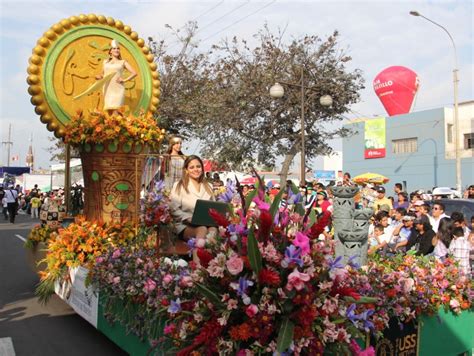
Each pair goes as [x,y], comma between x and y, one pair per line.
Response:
[265,284]
[78,245]
[38,234]
[100,127]
[409,286]
[155,206]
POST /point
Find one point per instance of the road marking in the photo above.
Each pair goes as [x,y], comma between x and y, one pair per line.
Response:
[21,237]
[6,347]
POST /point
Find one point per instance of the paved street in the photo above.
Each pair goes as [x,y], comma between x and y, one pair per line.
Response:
[35,329]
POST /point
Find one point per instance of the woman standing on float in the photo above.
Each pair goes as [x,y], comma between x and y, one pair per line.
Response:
[114,89]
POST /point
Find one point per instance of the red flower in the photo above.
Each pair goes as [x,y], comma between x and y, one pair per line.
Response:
[220,219]
[204,257]
[265,225]
[269,277]
[391,293]
[319,226]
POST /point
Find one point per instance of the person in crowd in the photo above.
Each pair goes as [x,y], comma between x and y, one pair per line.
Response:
[397,189]
[310,197]
[216,181]
[245,190]
[381,199]
[437,213]
[377,241]
[469,193]
[346,180]
[401,201]
[443,237]
[35,203]
[402,233]
[460,249]
[422,240]
[173,162]
[184,194]
[12,202]
[5,207]
[114,90]
[459,221]
[382,219]
[322,203]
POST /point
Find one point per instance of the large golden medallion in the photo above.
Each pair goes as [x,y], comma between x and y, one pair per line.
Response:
[66,70]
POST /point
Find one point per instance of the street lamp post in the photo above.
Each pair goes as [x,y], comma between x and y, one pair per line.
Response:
[277,91]
[456,117]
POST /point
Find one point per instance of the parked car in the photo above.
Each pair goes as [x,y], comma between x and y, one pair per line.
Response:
[465,206]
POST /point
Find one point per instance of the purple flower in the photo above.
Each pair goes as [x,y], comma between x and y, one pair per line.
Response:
[363,317]
[336,263]
[191,244]
[352,262]
[242,286]
[228,194]
[292,255]
[175,306]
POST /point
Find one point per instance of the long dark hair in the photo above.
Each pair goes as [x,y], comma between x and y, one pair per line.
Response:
[445,231]
[184,181]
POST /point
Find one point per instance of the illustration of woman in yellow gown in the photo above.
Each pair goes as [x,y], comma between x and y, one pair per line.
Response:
[114,90]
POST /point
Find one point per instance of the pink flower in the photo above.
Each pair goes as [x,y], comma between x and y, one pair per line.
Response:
[357,351]
[116,253]
[167,279]
[454,304]
[186,281]
[302,241]
[169,329]
[149,286]
[234,264]
[251,310]
[406,284]
[231,304]
[116,280]
[296,280]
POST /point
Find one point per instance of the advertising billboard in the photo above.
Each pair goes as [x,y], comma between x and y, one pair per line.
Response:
[374,138]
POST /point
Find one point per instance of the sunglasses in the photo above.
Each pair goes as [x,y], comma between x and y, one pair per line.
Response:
[435,208]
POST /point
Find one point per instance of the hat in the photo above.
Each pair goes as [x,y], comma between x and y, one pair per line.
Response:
[418,203]
[408,218]
[114,44]
[276,185]
[380,189]
[323,193]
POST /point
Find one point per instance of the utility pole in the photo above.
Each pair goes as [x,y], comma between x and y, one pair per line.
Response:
[8,143]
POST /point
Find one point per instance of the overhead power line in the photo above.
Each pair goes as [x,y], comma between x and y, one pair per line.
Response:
[221,17]
[239,20]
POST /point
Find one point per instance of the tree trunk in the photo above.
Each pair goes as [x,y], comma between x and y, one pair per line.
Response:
[285,167]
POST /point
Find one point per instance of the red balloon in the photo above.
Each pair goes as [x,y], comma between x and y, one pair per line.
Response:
[396,88]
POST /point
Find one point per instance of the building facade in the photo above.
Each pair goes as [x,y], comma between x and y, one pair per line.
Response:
[418,147]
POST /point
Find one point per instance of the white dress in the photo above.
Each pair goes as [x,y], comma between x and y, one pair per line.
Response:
[114,93]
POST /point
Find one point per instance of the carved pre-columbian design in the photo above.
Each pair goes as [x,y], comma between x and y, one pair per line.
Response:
[351,225]
[112,182]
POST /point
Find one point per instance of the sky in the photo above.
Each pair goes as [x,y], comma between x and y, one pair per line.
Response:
[377,34]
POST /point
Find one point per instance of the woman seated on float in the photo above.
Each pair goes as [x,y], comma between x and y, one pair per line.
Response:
[184,194]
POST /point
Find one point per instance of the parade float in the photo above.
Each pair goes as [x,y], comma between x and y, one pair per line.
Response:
[265,284]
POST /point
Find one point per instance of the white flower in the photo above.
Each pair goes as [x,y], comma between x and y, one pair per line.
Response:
[182,263]
[168,261]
